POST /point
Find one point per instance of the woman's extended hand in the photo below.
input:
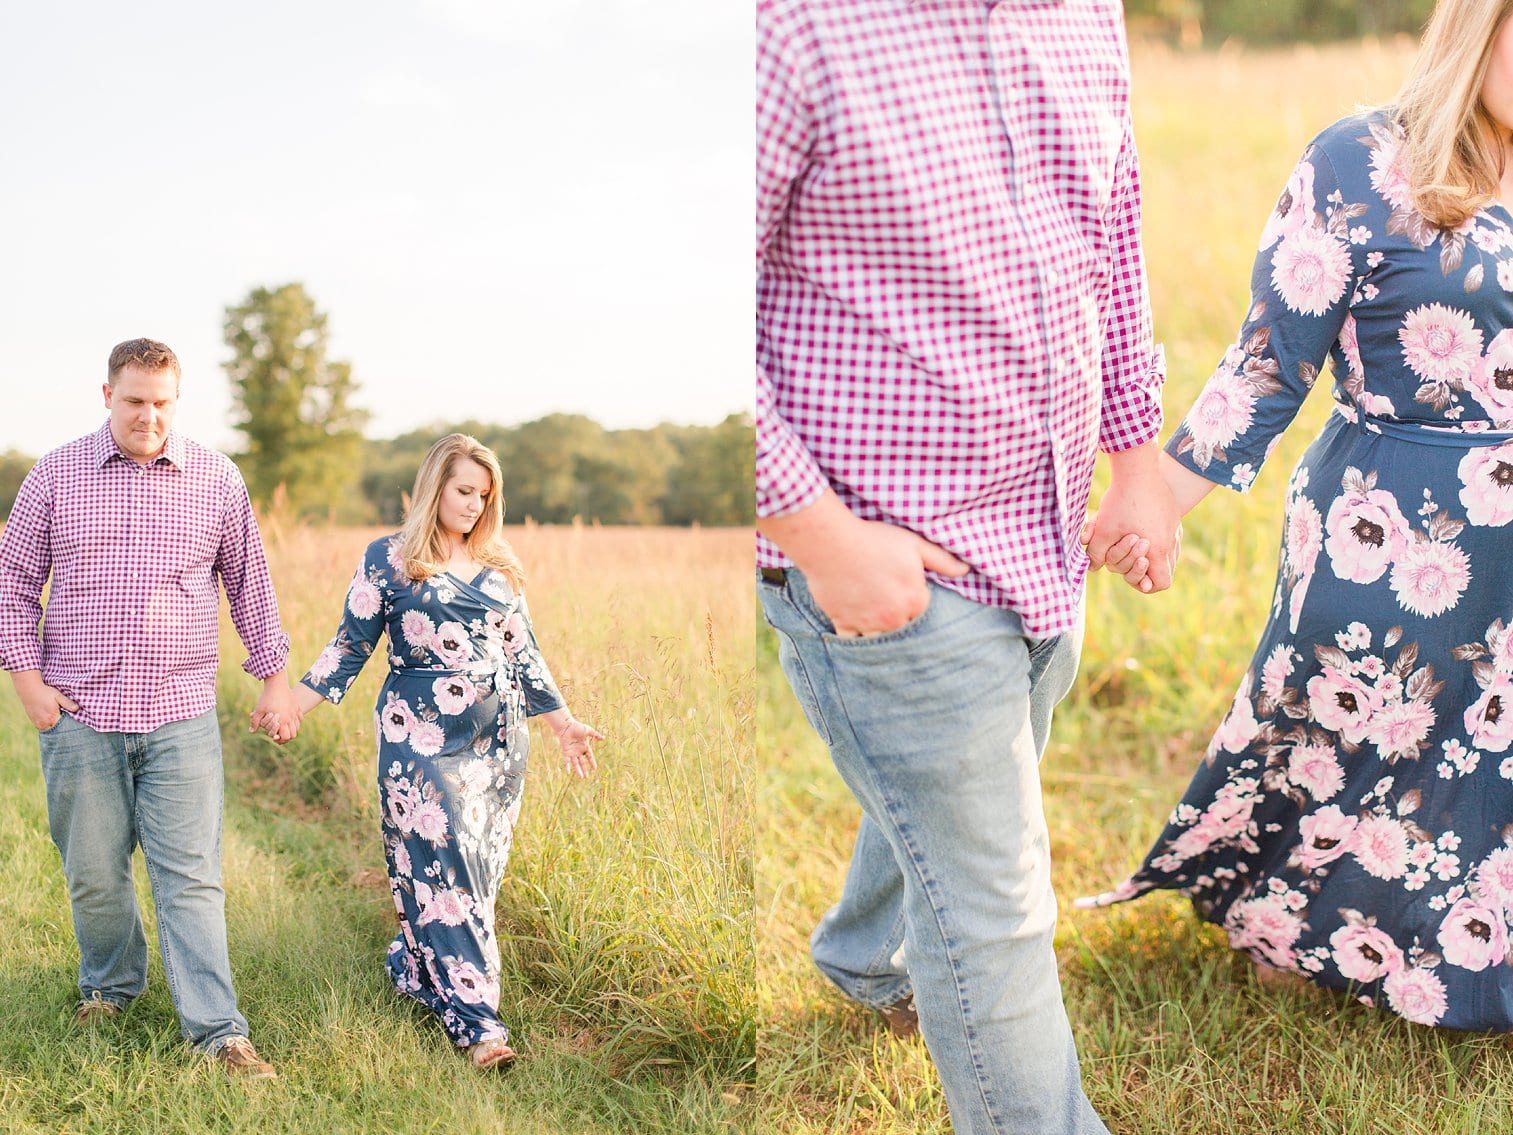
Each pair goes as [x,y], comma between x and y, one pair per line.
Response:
[575,738]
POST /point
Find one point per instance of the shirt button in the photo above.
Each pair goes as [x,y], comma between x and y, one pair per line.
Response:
[1052,277]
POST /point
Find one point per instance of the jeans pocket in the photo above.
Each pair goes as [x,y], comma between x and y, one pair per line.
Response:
[56,725]
[862,642]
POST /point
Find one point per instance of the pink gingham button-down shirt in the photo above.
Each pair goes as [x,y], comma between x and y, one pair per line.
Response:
[952,314]
[134,551]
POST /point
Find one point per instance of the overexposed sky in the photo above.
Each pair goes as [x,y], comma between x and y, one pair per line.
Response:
[505,209]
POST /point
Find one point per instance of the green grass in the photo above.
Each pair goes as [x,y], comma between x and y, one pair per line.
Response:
[1174,1033]
[625,921]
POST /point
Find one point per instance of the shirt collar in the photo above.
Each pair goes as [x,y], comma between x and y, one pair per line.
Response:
[175,452]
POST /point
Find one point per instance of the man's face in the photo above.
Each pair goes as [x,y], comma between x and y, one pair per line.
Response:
[141,409]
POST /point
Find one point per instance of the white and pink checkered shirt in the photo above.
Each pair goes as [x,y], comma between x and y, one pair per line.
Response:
[952,313]
[133,614]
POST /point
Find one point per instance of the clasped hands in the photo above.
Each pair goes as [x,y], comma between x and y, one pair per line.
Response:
[277,713]
[1136,533]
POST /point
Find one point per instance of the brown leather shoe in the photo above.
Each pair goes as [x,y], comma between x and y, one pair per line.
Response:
[94,1009]
[238,1057]
[901,1018]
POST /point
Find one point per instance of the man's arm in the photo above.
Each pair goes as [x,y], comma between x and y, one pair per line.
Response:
[1138,503]
[25,563]
[243,569]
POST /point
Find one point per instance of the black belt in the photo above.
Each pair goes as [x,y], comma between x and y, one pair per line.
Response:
[778,576]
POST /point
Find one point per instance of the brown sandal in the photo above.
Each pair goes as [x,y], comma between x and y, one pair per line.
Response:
[493,1053]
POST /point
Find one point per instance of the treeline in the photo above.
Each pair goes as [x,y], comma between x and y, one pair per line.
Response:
[565,466]
[1198,22]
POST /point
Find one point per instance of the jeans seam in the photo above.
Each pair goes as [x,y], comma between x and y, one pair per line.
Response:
[970,1034]
[168,971]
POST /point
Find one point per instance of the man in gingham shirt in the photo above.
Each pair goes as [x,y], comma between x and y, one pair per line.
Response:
[135,524]
[952,319]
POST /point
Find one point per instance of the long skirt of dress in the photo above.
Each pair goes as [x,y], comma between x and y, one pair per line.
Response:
[448,820]
[1353,815]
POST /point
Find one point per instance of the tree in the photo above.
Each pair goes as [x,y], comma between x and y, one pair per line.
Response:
[295,405]
[713,481]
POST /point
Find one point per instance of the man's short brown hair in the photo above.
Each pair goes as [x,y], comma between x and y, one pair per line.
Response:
[148,354]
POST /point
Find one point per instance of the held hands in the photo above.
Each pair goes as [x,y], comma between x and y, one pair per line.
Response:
[574,737]
[1137,530]
[276,712]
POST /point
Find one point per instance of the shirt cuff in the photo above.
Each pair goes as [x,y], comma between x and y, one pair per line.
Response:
[265,663]
[1131,414]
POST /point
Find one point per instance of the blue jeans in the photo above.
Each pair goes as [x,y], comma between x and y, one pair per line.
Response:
[937,728]
[107,792]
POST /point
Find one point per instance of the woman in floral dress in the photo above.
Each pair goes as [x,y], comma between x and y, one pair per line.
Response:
[464,674]
[1352,820]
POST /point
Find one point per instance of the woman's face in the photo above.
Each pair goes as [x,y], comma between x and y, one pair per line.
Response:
[463,497]
[1497,87]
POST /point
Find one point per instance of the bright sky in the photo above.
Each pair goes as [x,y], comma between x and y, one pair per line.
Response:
[504,208]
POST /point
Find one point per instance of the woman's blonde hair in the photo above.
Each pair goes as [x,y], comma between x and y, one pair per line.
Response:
[423,543]
[1451,154]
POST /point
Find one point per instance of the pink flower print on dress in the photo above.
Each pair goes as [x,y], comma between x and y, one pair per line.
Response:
[1493,886]
[1222,413]
[416,628]
[1440,344]
[1489,719]
[450,642]
[402,802]
[470,984]
[1399,726]
[1240,726]
[427,738]
[1430,577]
[363,599]
[1486,477]
[1316,770]
[1304,535]
[1295,208]
[513,635]
[398,719]
[1389,172]
[1491,382]
[430,822]
[1275,672]
[1367,531]
[402,860]
[325,663]
[1473,937]
[1416,995]
[1364,953]
[1327,834]
[453,693]
[1343,703]
[1266,927]
[446,905]
[1381,847]
[1310,269]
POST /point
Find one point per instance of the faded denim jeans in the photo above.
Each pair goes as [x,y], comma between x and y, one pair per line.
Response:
[107,792]
[937,728]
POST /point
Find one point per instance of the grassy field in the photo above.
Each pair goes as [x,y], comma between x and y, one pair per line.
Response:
[625,921]
[1174,1033]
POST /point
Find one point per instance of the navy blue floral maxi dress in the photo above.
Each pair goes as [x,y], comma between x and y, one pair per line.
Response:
[1352,819]
[464,674]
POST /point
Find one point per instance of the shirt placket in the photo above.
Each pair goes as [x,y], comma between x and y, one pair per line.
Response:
[1014,71]
[138,538]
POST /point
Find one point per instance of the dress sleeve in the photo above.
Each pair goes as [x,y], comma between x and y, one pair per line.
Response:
[1304,281]
[363,617]
[541,694]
